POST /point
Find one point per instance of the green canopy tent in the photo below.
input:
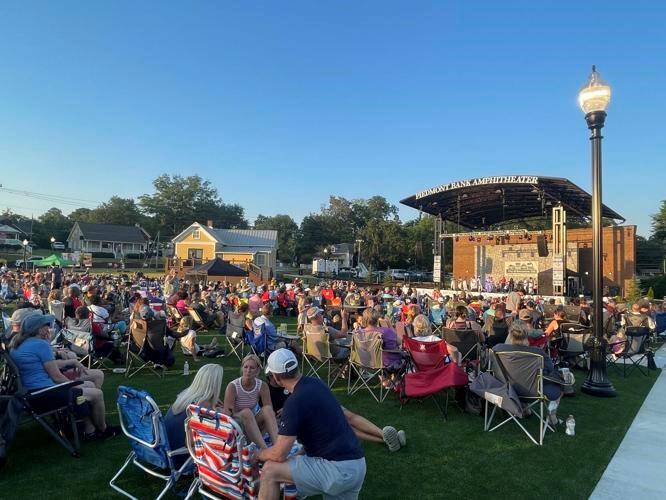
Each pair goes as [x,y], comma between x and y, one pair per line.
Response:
[52,260]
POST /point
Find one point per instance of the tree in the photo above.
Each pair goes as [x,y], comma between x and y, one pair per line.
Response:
[51,224]
[178,201]
[287,234]
[316,231]
[117,211]
[81,215]
[385,244]
[659,224]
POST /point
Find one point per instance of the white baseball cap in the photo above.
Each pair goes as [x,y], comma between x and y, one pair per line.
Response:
[281,361]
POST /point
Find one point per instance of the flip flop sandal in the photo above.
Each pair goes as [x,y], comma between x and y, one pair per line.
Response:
[391,439]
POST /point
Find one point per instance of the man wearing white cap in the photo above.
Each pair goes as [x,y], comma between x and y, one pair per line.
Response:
[333,464]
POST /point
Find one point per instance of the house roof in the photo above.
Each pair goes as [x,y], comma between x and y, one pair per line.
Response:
[265,238]
[113,232]
[243,249]
[343,248]
[8,229]
[246,237]
[219,267]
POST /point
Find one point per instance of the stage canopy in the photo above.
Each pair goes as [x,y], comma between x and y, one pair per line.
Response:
[486,201]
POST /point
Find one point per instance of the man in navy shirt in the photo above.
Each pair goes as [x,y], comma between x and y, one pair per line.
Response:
[333,464]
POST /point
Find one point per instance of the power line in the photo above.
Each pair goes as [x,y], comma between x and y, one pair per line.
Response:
[52,198]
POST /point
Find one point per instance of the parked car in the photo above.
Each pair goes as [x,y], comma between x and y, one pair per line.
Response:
[347,272]
[30,262]
[58,245]
[398,274]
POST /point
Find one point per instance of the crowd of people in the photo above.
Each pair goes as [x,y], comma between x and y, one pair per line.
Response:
[491,284]
[284,406]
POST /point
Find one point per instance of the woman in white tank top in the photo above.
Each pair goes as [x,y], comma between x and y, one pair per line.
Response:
[241,401]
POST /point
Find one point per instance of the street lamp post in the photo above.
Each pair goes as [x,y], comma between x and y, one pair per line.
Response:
[25,249]
[52,242]
[593,100]
[358,255]
[325,261]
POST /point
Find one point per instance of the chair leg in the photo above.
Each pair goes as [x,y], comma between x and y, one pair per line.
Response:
[64,442]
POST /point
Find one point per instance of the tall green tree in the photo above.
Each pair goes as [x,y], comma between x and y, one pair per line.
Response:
[385,244]
[178,201]
[659,224]
[287,234]
[117,210]
[51,224]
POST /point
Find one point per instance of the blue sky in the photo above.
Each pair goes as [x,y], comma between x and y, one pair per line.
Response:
[281,103]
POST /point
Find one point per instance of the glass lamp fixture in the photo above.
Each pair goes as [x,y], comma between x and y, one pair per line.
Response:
[596,95]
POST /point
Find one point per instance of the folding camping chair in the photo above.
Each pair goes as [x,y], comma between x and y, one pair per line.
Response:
[522,372]
[468,345]
[403,330]
[574,339]
[437,317]
[234,334]
[200,323]
[54,408]
[317,354]
[634,351]
[366,362]
[148,348]
[431,372]
[573,313]
[142,423]
[549,312]
[263,344]
[175,314]
[222,456]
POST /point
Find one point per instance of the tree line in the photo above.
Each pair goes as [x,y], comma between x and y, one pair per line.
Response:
[177,201]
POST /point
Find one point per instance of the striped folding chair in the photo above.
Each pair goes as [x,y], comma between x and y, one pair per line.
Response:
[222,456]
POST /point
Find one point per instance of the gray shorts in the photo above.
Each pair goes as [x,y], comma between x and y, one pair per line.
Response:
[317,476]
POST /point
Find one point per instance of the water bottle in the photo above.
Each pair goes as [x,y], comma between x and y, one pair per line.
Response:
[571,426]
[186,368]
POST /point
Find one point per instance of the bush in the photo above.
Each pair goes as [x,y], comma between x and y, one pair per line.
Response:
[103,255]
[134,256]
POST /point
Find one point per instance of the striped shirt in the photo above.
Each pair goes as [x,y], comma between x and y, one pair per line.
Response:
[246,399]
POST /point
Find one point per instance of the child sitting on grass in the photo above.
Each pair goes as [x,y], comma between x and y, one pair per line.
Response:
[188,342]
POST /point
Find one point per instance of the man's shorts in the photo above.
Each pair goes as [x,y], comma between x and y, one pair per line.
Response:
[317,476]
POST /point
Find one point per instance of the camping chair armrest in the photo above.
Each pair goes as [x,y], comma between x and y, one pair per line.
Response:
[57,396]
[179,451]
[556,380]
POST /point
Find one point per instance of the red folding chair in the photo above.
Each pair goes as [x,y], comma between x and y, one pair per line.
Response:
[431,372]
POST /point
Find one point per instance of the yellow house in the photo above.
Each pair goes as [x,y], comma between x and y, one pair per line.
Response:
[200,243]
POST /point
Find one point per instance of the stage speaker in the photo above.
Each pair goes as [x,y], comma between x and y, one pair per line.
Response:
[542,246]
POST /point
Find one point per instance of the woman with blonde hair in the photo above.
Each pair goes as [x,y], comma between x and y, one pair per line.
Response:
[241,401]
[203,391]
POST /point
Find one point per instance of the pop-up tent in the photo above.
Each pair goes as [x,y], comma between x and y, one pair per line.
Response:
[53,260]
[218,270]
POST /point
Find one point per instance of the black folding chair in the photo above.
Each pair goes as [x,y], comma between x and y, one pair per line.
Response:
[467,343]
[572,346]
[634,351]
[54,408]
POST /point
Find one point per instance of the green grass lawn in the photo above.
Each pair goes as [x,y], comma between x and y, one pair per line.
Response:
[453,458]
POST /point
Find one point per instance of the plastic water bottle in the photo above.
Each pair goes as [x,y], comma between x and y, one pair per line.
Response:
[186,368]
[571,426]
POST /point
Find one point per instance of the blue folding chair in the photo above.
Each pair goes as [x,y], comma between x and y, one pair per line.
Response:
[264,343]
[660,320]
[142,423]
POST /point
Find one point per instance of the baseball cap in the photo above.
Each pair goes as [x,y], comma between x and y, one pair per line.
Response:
[524,315]
[312,312]
[281,361]
[34,322]
[21,314]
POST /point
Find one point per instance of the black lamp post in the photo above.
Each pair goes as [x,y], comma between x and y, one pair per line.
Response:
[593,100]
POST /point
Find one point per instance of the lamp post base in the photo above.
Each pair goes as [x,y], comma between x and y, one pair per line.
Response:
[597,383]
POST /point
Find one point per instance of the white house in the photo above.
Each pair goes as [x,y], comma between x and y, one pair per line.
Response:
[89,237]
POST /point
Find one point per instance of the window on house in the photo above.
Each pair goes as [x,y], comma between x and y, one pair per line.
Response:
[196,234]
[260,259]
[195,253]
